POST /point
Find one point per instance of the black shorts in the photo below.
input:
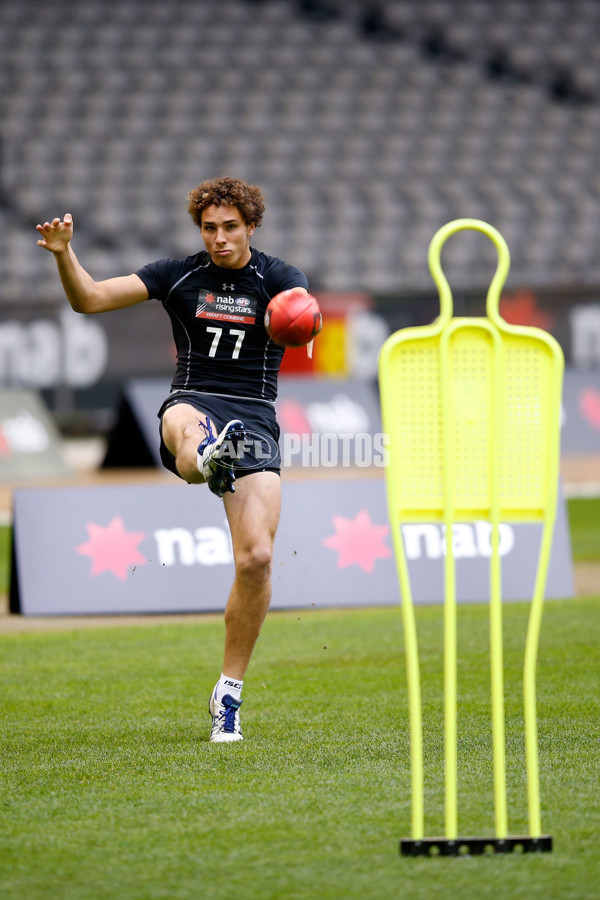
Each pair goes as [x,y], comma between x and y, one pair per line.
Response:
[260,451]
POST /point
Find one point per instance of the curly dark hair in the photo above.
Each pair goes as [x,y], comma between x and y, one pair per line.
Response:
[229,192]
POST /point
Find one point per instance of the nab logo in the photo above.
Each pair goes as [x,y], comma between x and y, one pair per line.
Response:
[468,540]
[209,546]
[340,415]
[115,549]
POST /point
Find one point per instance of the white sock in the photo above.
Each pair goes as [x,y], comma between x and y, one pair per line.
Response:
[227,685]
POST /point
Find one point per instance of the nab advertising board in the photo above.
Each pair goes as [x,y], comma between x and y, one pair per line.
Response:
[324,423]
[167,548]
[327,423]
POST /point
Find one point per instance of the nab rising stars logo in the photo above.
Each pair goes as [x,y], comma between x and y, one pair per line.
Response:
[227,307]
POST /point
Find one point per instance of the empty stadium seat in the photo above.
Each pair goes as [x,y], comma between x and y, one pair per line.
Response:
[363,146]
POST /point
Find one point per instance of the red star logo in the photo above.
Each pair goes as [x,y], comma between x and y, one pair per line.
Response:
[4,445]
[522,309]
[358,541]
[112,549]
[589,404]
[210,298]
[292,417]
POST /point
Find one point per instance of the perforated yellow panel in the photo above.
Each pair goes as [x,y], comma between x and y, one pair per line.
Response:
[495,395]
[415,430]
[528,425]
[470,392]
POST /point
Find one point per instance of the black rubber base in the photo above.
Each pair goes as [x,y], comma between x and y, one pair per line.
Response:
[475,846]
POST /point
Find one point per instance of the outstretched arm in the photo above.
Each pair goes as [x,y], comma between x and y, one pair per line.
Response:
[83,293]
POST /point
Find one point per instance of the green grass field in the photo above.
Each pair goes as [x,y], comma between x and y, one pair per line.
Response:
[109,789]
[5,546]
[584,523]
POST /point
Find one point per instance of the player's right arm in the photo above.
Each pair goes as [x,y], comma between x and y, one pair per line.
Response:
[83,293]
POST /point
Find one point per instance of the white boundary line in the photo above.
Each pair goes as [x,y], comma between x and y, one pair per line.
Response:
[585,490]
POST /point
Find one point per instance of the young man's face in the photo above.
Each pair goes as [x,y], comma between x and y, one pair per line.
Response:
[226,236]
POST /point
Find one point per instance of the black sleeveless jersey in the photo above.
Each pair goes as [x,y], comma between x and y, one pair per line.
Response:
[217,317]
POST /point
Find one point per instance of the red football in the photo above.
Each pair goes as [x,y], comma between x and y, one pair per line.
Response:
[293,318]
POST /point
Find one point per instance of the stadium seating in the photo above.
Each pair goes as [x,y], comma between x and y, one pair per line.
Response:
[367,125]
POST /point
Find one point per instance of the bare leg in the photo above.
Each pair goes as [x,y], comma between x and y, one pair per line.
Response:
[181,432]
[253,514]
